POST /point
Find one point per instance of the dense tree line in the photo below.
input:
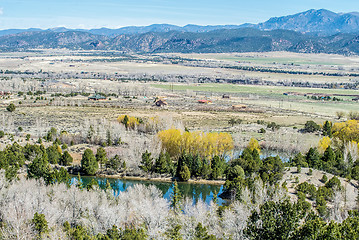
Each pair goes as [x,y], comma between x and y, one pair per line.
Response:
[242,172]
[332,161]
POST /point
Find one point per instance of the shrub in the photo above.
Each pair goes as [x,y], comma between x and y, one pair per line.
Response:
[184,173]
[324,179]
[11,107]
[311,126]
[128,121]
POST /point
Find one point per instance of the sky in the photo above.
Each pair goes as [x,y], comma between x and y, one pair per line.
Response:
[119,13]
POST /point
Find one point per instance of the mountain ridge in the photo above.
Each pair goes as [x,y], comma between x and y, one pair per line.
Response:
[321,22]
[217,41]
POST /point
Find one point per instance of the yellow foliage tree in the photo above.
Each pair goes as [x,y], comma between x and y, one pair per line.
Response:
[324,143]
[205,144]
[253,144]
[128,121]
[345,132]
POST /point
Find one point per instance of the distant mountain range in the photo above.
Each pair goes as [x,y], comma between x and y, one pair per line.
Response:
[311,31]
[321,22]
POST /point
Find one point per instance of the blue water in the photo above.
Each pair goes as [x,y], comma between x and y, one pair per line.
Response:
[194,191]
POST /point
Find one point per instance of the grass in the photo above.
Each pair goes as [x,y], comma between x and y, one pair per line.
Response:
[252,89]
[271,60]
[272,97]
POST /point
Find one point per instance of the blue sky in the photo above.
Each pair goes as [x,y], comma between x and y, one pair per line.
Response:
[119,13]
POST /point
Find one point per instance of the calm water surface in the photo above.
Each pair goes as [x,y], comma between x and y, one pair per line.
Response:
[194,191]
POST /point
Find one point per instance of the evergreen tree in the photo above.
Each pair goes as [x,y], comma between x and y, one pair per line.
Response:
[114,163]
[329,158]
[101,156]
[53,154]
[174,233]
[197,166]
[89,165]
[327,129]
[147,162]
[11,107]
[218,167]
[299,160]
[113,233]
[40,225]
[38,168]
[202,234]
[313,158]
[66,159]
[274,221]
[108,138]
[161,164]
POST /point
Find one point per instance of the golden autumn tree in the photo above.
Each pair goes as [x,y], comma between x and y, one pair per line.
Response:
[324,143]
[345,132]
[128,121]
[253,144]
[205,144]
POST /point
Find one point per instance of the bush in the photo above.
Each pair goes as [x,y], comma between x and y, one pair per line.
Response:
[184,173]
[324,179]
[273,126]
[311,126]
[2,134]
[262,130]
[11,107]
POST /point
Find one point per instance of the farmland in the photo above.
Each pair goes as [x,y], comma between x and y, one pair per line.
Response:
[218,119]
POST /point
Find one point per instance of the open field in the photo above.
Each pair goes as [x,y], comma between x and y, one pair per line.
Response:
[289,58]
[190,67]
[133,81]
[272,97]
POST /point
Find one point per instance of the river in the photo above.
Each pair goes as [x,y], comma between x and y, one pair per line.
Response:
[194,191]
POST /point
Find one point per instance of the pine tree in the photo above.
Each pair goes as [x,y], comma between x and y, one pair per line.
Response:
[101,156]
[89,165]
[327,129]
[40,225]
[108,138]
[66,159]
[147,162]
[160,164]
[313,158]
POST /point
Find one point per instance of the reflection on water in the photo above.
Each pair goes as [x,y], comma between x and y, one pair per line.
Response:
[194,191]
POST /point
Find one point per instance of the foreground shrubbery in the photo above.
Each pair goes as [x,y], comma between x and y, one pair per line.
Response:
[32,210]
